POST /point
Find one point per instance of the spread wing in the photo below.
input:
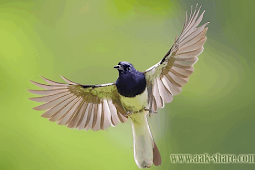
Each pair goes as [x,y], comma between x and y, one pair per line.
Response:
[80,106]
[166,78]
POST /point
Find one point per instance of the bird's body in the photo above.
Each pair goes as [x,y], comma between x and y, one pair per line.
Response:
[132,88]
[133,95]
[133,92]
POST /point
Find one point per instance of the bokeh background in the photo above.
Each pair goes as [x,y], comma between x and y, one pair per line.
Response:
[84,39]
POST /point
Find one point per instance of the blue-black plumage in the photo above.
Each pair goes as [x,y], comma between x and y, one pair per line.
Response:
[130,82]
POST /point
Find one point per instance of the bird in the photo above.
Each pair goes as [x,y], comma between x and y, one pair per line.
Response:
[135,95]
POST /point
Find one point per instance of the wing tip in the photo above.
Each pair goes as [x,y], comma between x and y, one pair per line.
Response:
[35,108]
[31,81]
[66,80]
[43,77]
[44,116]
[43,86]
[31,91]
[32,99]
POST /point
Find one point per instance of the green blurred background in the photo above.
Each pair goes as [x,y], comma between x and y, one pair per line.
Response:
[84,39]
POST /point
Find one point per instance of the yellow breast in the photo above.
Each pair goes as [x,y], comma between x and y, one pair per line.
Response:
[135,103]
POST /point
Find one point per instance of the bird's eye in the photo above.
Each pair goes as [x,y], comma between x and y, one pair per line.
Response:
[127,67]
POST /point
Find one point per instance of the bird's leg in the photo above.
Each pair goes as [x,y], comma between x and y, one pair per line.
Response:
[128,113]
[150,112]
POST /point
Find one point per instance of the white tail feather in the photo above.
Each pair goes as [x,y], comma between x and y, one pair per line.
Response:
[143,142]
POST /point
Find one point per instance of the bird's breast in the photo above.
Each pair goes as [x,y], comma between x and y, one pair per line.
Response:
[135,103]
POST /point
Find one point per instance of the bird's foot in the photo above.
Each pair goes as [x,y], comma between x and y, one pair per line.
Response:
[150,112]
[128,113]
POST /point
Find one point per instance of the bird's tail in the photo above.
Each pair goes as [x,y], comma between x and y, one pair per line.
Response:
[145,149]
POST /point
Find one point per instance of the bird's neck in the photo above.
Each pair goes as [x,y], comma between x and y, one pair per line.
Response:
[131,84]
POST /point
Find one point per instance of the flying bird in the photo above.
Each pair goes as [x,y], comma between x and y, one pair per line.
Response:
[133,96]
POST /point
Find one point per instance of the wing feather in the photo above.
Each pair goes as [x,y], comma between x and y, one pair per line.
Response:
[192,47]
[114,116]
[175,88]
[79,118]
[51,82]
[95,114]
[57,116]
[90,116]
[68,81]
[49,97]
[48,87]
[169,75]
[154,104]
[120,114]
[166,95]
[157,96]
[99,113]
[180,72]
[76,116]
[48,92]
[64,118]
[189,54]
[74,113]
[194,37]
[187,62]
[85,116]
[80,106]
[56,108]
[178,80]
[106,122]
[54,102]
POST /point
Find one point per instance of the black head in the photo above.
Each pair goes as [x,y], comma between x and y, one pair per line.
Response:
[124,67]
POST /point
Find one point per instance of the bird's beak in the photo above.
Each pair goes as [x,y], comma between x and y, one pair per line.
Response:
[117,66]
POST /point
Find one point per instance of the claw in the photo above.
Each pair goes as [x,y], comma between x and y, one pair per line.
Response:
[150,112]
[128,113]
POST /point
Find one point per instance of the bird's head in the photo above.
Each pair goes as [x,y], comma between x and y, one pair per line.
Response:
[124,67]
